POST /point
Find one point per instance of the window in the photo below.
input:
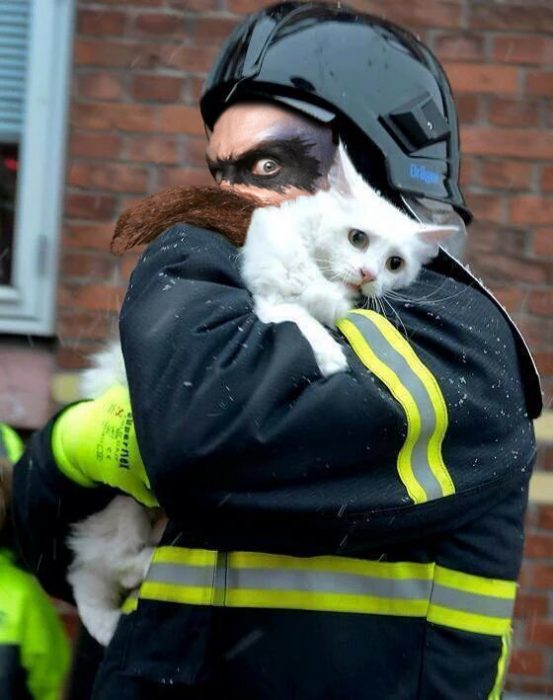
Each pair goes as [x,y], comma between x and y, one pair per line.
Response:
[35,55]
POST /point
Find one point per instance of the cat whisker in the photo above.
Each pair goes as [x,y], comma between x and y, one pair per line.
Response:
[395,312]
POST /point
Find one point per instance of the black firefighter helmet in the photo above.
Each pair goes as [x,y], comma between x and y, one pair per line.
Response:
[379,87]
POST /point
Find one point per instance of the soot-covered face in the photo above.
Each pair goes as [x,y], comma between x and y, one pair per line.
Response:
[269,152]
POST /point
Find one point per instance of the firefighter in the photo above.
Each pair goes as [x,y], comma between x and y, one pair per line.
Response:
[353,537]
[34,652]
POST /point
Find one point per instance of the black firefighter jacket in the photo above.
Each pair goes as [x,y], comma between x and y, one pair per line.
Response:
[357,536]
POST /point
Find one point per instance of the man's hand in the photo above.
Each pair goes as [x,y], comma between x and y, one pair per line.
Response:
[94,442]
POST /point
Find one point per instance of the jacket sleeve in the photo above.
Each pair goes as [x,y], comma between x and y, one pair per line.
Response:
[229,410]
[44,505]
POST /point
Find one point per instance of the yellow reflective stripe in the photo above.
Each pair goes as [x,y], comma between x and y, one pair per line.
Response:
[502,665]
[460,620]
[185,555]
[346,565]
[130,603]
[435,458]
[391,380]
[325,602]
[498,588]
[331,584]
[175,593]
[392,359]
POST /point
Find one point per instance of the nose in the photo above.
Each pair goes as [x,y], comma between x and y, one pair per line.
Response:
[366,275]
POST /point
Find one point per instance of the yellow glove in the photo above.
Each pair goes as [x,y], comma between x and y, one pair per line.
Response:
[94,442]
[11,446]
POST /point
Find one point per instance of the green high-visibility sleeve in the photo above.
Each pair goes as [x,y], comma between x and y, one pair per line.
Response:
[29,622]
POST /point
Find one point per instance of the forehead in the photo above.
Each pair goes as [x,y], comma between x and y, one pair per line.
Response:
[243,126]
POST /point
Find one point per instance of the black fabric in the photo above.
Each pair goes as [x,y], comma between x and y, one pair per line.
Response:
[257,445]
[13,677]
[44,503]
[87,657]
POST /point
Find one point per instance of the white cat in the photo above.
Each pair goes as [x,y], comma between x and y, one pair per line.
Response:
[308,261]
[312,259]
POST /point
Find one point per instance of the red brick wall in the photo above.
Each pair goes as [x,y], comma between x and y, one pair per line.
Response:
[135,129]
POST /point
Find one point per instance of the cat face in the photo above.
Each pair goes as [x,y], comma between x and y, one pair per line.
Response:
[365,242]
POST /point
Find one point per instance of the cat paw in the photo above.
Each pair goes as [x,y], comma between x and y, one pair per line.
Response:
[331,359]
[137,569]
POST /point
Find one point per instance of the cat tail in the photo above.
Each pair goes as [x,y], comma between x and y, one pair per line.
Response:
[108,368]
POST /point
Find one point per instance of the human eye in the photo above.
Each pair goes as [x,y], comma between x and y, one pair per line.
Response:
[266,167]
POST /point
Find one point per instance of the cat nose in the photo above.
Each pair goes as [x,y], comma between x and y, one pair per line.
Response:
[366,275]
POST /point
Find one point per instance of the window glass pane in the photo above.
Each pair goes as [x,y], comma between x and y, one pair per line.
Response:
[8,183]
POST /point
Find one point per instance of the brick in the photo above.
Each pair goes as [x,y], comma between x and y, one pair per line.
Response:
[212,29]
[187,58]
[195,152]
[179,119]
[540,302]
[460,47]
[86,325]
[513,16]
[76,357]
[506,175]
[513,113]
[109,177]
[540,632]
[522,143]
[154,149]
[528,209]
[88,266]
[538,333]
[415,14]
[543,242]
[98,52]
[173,177]
[527,663]
[126,117]
[467,107]
[529,49]
[482,78]
[486,207]
[92,236]
[547,178]
[94,144]
[129,263]
[543,576]
[540,546]
[156,88]
[482,238]
[540,688]
[512,298]
[101,22]
[93,297]
[545,517]
[89,206]
[469,172]
[497,268]
[529,605]
[513,242]
[161,24]
[539,83]
[545,455]
[195,5]
[100,86]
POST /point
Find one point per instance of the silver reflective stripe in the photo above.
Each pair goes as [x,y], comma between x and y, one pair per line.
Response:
[473,603]
[289,580]
[387,354]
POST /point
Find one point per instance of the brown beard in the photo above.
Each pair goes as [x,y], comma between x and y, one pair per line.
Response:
[205,207]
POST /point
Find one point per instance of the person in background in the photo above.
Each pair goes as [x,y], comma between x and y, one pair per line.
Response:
[352,537]
[34,649]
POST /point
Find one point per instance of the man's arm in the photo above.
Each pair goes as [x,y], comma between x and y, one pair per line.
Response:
[234,419]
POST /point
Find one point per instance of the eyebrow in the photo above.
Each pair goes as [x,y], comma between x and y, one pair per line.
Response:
[278,147]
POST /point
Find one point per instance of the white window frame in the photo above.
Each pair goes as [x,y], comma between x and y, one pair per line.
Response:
[27,305]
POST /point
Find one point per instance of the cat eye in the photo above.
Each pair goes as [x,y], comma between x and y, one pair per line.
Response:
[358,239]
[395,263]
[265,167]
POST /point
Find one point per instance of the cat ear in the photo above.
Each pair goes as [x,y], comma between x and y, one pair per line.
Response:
[433,233]
[342,176]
